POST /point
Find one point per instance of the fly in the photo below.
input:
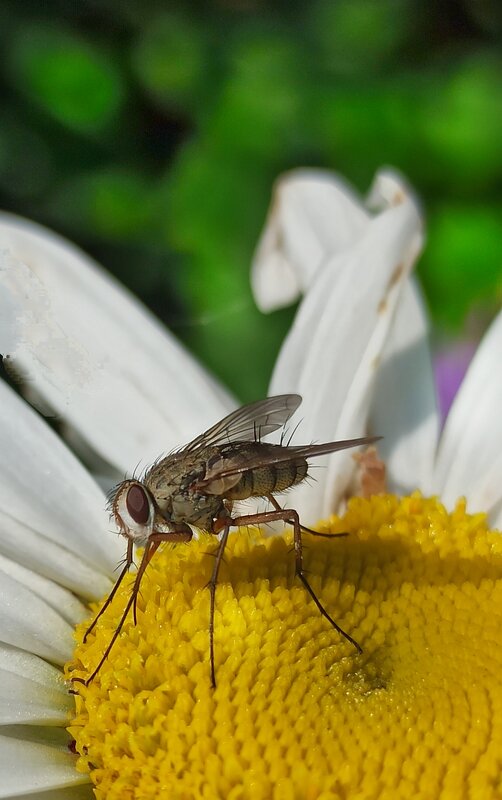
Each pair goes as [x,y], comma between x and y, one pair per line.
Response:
[198,485]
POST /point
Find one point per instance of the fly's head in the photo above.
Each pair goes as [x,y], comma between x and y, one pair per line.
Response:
[133,509]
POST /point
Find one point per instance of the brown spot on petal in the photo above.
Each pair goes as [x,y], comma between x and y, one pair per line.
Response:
[394,278]
[371,473]
[396,275]
[398,198]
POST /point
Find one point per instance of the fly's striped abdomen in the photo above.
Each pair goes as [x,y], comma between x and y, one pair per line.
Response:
[268,480]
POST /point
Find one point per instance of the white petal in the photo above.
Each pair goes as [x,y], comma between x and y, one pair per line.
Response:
[389,188]
[31,691]
[469,460]
[404,409]
[45,491]
[33,550]
[313,215]
[496,517]
[82,792]
[485,492]
[32,766]
[332,352]
[97,357]
[61,600]
[27,622]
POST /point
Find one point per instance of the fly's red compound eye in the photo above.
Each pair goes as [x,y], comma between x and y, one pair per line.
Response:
[134,511]
[137,504]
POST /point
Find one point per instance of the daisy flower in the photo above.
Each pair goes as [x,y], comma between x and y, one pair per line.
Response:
[296,712]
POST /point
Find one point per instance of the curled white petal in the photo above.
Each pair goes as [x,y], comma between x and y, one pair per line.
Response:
[95,355]
[389,189]
[31,691]
[333,350]
[313,216]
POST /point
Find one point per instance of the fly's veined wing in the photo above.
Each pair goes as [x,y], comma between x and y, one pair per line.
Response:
[271,455]
[249,423]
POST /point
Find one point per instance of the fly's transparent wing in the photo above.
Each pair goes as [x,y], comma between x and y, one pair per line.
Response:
[249,423]
[268,455]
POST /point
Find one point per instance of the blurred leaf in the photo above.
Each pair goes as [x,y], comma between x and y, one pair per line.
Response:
[114,203]
[228,333]
[213,200]
[352,36]
[215,208]
[261,101]
[26,165]
[460,123]
[360,126]
[169,59]
[462,263]
[487,14]
[69,79]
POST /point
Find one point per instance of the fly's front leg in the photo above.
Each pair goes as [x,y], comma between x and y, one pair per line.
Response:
[291,516]
[125,570]
[154,540]
[131,600]
[212,589]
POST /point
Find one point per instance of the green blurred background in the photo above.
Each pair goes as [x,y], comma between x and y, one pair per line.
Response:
[150,133]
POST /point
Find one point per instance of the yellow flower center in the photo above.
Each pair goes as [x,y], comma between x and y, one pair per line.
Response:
[297,712]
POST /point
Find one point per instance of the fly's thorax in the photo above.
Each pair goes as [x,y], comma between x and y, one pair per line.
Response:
[173,484]
[171,477]
[196,509]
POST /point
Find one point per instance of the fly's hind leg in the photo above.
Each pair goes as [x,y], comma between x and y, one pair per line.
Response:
[301,574]
[291,516]
[212,589]
[271,499]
